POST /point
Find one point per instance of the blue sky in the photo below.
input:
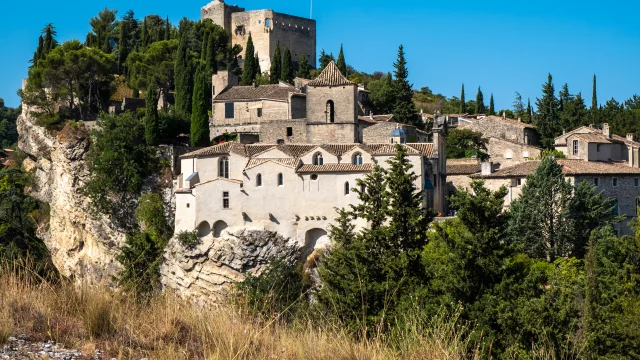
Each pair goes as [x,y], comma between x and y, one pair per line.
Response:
[503,46]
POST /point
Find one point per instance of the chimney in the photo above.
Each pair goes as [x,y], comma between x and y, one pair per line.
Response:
[564,132]
[486,168]
[371,115]
[504,115]
[630,137]
[606,131]
[254,84]
[519,119]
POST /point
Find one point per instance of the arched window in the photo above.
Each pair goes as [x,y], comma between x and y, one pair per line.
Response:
[318,159]
[356,159]
[330,111]
[223,168]
[280,179]
[347,189]
[259,180]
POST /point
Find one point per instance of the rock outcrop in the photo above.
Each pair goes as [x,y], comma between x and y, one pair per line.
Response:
[82,246]
[205,272]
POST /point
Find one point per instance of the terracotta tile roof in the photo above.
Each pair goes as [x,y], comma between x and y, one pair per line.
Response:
[254,149]
[296,150]
[422,148]
[462,169]
[220,149]
[279,92]
[330,76]
[335,168]
[390,149]
[507,120]
[338,149]
[292,163]
[569,167]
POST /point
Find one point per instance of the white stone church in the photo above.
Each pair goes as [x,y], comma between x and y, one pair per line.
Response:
[295,188]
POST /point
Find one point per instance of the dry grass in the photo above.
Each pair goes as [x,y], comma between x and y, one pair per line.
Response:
[87,318]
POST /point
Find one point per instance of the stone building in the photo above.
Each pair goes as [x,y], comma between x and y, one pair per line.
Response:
[614,179]
[502,128]
[267,28]
[592,144]
[291,189]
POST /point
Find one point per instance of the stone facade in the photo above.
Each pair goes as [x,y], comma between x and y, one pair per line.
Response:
[379,132]
[505,153]
[267,28]
[503,128]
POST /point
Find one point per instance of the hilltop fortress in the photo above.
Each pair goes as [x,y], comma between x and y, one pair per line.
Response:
[267,28]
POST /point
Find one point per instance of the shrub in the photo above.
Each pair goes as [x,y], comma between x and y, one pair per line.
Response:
[188,239]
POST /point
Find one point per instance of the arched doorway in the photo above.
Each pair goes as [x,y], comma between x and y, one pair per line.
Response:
[204,229]
[315,239]
[218,227]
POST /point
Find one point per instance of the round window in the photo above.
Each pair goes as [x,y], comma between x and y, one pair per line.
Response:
[314,177]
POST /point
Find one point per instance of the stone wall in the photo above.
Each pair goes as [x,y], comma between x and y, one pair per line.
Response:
[344,99]
[246,112]
[507,153]
[510,130]
[379,133]
[332,133]
[216,131]
[298,106]
[271,132]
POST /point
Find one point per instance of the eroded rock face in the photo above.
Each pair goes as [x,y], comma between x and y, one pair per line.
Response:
[82,246]
[205,273]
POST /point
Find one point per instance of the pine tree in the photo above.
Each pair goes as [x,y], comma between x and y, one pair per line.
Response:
[480,108]
[492,107]
[404,110]
[342,64]
[167,29]
[547,118]
[276,65]
[463,104]
[324,59]
[49,42]
[200,115]
[518,106]
[151,130]
[249,71]
[287,67]
[304,71]
[183,81]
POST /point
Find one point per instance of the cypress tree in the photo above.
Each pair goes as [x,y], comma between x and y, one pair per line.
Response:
[212,63]
[276,65]
[547,119]
[463,104]
[594,95]
[287,67]
[258,68]
[183,80]
[144,36]
[38,54]
[480,108]
[167,29]
[529,110]
[492,108]
[342,64]
[122,47]
[404,109]
[304,71]
[249,71]
[151,114]
[49,42]
[200,115]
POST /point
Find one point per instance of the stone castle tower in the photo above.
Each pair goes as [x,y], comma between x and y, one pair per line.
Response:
[267,28]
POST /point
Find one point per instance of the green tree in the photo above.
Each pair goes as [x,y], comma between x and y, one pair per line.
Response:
[594,95]
[199,115]
[547,118]
[156,63]
[518,107]
[480,108]
[151,130]
[382,94]
[183,77]
[463,104]
[342,64]
[304,70]
[103,30]
[492,107]
[276,65]
[404,110]
[250,69]
[324,59]
[287,67]
[167,29]
[465,143]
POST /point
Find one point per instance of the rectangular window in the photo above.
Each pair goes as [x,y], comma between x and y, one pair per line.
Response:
[636,182]
[519,183]
[435,180]
[596,181]
[228,110]
[225,200]
[616,211]
[575,147]
[259,112]
[289,131]
[615,182]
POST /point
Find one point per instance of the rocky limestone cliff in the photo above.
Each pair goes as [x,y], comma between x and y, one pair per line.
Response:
[82,247]
[205,273]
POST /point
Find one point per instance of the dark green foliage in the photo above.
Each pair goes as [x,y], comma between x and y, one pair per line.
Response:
[167,29]
[480,108]
[404,110]
[304,70]
[157,63]
[151,127]
[277,290]
[127,39]
[200,115]
[324,60]
[492,106]
[547,120]
[119,160]
[382,94]
[141,257]
[287,67]
[465,143]
[150,216]
[276,65]
[250,66]
[183,75]
[341,63]
[20,215]
[189,239]
[103,30]
[463,104]
[8,127]
[594,95]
